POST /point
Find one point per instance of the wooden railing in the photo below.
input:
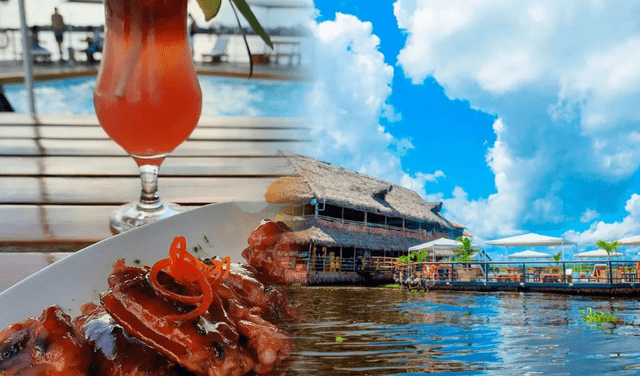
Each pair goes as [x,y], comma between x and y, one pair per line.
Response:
[609,271]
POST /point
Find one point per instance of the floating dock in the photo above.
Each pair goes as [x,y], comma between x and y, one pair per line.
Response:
[605,278]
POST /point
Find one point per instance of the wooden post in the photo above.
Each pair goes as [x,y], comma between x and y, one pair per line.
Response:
[355,253]
[610,272]
[324,259]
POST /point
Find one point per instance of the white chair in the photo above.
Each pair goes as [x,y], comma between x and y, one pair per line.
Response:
[219,50]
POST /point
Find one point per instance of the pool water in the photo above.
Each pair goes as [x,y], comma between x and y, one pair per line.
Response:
[221,96]
[378,331]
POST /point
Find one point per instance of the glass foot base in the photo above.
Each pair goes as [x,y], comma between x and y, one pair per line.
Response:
[130,216]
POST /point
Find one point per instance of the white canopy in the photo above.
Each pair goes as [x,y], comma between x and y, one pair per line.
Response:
[597,253]
[529,240]
[632,240]
[442,243]
[530,254]
[442,247]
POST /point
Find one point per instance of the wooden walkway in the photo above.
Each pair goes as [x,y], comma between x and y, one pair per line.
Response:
[61,176]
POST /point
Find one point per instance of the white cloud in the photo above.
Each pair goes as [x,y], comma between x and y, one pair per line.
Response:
[417,182]
[589,215]
[348,99]
[564,80]
[629,226]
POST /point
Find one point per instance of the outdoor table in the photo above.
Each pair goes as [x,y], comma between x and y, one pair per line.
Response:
[61,177]
[551,277]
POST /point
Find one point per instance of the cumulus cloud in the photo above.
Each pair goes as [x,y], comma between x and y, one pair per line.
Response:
[563,79]
[589,215]
[611,231]
[348,99]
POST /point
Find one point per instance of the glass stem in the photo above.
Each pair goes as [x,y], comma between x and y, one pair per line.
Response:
[149,196]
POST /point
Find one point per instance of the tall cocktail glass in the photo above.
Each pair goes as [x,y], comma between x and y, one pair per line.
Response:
[147,96]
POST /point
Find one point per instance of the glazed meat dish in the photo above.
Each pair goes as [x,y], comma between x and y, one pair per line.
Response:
[180,316]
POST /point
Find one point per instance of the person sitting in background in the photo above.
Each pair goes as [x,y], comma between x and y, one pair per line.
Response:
[35,38]
[38,52]
[95,45]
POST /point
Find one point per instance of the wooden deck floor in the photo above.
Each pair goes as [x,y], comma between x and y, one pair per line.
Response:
[61,176]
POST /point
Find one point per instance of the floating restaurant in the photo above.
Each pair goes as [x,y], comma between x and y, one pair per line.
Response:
[349,224]
[349,227]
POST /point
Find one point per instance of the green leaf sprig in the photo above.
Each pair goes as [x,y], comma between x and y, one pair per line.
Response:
[210,8]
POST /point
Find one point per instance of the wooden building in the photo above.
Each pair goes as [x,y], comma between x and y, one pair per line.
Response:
[348,224]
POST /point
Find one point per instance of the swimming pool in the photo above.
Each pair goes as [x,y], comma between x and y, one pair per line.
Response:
[222,96]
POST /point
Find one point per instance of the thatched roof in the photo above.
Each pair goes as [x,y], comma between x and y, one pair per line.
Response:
[335,238]
[350,189]
[332,234]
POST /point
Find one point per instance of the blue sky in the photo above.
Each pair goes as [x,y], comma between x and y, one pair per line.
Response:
[520,117]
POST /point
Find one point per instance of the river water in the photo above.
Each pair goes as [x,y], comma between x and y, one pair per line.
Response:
[383,331]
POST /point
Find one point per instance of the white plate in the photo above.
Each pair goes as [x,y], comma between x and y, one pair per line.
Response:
[217,229]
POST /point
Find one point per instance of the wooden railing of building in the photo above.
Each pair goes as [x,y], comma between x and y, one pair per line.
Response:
[381,264]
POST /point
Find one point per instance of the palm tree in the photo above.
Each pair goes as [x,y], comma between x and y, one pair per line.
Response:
[464,253]
[608,247]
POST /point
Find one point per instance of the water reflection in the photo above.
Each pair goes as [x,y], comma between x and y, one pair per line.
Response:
[392,332]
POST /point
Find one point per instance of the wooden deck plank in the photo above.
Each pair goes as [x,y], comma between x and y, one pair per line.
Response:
[77,223]
[110,190]
[49,227]
[23,166]
[17,131]
[125,166]
[205,121]
[97,133]
[18,147]
[21,223]
[20,189]
[189,148]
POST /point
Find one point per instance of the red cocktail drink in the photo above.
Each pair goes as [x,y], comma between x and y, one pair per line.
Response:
[147,95]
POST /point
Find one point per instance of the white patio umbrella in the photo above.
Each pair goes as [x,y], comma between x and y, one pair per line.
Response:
[632,240]
[442,247]
[597,253]
[530,254]
[531,240]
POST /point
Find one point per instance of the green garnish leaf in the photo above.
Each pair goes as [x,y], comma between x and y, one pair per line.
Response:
[243,7]
[210,8]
